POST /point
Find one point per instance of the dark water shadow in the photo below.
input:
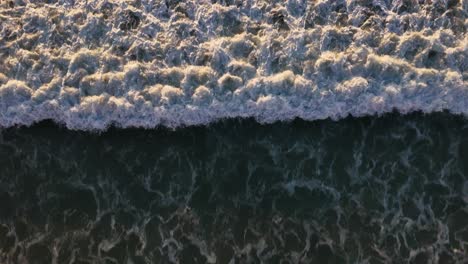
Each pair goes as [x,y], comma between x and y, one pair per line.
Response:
[391,189]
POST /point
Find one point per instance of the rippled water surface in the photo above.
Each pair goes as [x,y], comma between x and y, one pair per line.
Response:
[388,189]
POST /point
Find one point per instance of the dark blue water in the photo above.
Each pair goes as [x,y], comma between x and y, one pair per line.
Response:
[391,189]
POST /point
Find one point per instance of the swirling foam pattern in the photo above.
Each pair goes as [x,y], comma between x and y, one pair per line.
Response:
[376,190]
[91,64]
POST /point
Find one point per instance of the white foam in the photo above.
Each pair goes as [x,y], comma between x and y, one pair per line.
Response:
[145,63]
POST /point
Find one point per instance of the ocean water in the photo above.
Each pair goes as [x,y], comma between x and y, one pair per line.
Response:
[391,189]
[233,131]
[92,64]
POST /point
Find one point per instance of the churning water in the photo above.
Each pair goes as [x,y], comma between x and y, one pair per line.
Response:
[250,182]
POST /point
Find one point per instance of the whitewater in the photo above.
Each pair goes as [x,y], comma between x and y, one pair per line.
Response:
[93,64]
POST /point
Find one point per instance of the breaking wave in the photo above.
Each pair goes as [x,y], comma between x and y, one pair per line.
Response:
[92,64]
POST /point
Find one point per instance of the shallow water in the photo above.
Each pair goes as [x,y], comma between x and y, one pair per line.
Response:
[391,189]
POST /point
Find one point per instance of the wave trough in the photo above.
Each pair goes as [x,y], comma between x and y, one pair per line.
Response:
[92,64]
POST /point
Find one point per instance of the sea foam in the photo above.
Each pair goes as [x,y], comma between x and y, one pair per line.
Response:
[92,64]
